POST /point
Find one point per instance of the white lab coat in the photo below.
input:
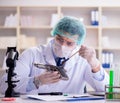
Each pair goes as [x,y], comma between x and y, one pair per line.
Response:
[78,70]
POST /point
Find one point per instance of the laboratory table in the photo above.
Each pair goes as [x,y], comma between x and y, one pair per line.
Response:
[24,99]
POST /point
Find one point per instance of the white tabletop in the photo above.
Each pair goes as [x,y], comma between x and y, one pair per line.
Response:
[24,99]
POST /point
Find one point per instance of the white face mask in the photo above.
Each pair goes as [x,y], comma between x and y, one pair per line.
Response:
[61,51]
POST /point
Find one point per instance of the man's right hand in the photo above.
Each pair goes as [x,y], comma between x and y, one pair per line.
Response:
[48,77]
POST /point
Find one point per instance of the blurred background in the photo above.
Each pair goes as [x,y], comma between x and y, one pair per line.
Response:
[27,23]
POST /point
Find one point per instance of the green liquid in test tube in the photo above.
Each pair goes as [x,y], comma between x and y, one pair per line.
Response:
[111,73]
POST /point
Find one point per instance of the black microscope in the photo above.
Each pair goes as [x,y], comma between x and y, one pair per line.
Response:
[12,56]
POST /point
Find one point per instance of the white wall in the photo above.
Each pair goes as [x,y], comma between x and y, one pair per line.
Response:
[61,2]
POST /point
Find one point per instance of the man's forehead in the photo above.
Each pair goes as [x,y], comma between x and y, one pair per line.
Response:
[70,37]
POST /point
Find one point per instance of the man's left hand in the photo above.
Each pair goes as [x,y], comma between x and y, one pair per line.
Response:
[90,55]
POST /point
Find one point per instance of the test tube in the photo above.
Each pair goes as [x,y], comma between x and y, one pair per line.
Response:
[111,80]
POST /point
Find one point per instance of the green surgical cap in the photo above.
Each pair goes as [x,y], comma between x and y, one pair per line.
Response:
[72,26]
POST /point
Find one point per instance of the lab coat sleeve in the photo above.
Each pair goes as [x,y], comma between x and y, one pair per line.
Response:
[23,70]
[99,75]
[97,80]
[31,86]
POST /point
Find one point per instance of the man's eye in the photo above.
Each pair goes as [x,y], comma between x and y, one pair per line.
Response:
[69,43]
[61,40]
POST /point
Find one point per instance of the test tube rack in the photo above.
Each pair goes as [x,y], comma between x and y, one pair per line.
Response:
[112,93]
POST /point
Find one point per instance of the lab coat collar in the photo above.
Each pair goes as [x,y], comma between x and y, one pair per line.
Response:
[48,54]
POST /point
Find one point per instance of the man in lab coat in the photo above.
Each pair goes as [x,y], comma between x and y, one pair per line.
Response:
[69,34]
